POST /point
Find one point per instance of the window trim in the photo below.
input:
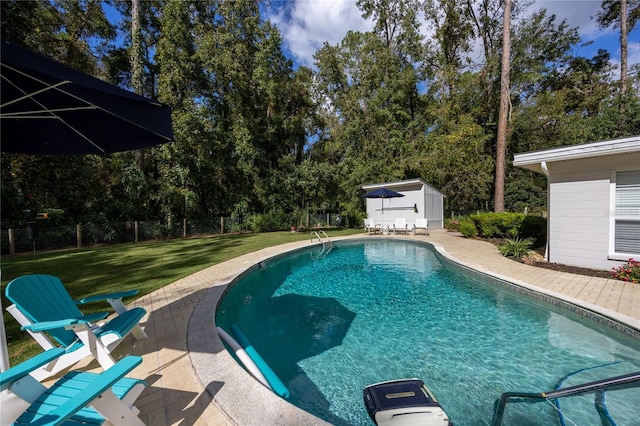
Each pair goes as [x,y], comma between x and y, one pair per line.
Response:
[613,255]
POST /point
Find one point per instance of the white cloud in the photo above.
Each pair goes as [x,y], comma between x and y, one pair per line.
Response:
[306,24]
[578,13]
[633,53]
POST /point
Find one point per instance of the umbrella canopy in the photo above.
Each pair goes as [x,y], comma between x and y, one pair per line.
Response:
[49,108]
[382,193]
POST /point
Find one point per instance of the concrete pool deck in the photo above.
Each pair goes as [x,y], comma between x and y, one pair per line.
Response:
[194,381]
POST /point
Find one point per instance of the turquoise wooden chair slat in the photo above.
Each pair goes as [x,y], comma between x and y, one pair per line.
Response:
[17,372]
[69,388]
[122,324]
[70,399]
[46,306]
[43,298]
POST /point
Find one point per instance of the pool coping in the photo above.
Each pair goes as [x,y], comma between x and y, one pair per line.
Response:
[246,401]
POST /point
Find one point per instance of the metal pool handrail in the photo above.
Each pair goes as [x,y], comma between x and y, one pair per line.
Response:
[328,240]
[626,380]
[323,252]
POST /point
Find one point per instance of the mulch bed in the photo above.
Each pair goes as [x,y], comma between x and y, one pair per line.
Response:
[539,254]
[573,269]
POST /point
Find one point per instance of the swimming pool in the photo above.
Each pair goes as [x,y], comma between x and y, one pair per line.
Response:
[385,309]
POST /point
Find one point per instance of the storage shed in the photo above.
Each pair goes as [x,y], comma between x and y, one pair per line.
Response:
[593,201]
[420,201]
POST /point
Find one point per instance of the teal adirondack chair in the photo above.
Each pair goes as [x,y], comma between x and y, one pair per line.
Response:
[76,398]
[42,304]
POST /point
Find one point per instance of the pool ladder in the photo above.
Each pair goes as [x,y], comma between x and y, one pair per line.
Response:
[324,239]
[599,386]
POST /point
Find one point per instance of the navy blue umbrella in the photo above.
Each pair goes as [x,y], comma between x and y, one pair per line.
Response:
[49,108]
[382,193]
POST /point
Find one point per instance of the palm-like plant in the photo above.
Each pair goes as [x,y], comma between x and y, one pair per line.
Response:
[517,247]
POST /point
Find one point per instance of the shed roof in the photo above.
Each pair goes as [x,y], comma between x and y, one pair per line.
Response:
[402,185]
[534,160]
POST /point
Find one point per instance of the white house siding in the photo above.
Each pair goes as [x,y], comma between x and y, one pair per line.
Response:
[580,210]
[579,221]
[427,200]
[394,208]
[434,208]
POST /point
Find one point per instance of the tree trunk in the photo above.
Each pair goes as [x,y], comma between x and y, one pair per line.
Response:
[501,141]
[623,60]
[137,64]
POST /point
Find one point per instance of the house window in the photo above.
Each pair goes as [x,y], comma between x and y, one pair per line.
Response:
[627,212]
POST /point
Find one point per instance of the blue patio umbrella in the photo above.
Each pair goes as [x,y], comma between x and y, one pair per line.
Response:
[49,108]
[382,193]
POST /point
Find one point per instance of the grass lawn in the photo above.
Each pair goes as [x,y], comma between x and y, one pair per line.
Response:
[146,266]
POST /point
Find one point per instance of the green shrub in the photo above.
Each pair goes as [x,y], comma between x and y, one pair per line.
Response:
[498,225]
[160,231]
[517,247]
[353,219]
[512,225]
[259,223]
[275,220]
[468,228]
[534,227]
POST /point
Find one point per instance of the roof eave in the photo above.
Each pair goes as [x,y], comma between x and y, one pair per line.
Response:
[395,183]
[372,186]
[533,160]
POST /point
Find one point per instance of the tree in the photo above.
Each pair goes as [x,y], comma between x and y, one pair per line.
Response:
[447,53]
[74,33]
[33,24]
[397,25]
[372,107]
[86,31]
[137,76]
[625,15]
[505,101]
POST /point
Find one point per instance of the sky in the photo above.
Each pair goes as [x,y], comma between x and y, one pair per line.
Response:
[306,24]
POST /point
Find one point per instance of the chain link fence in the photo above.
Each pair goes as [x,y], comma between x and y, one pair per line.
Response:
[87,235]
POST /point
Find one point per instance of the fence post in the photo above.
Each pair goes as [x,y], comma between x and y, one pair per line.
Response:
[221,224]
[184,227]
[79,235]
[12,241]
[135,231]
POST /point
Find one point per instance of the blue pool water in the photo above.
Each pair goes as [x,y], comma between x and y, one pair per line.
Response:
[366,312]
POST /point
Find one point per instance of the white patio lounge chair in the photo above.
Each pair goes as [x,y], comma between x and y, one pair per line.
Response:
[76,398]
[41,304]
[400,225]
[421,223]
[370,226]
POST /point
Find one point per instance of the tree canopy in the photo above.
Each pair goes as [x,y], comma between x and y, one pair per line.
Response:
[417,97]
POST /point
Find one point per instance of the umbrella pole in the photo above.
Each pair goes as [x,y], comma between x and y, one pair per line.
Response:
[4,350]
